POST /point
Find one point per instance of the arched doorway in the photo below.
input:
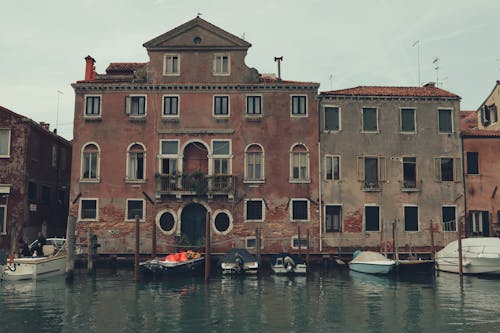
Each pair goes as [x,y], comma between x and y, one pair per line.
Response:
[193,225]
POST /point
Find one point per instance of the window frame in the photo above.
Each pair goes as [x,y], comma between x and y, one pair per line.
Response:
[3,225]
[302,238]
[306,111]
[405,186]
[404,217]
[306,153]
[253,115]
[401,130]
[377,130]
[166,71]
[128,178]
[381,171]
[174,157]
[255,240]
[170,115]
[218,157]
[158,220]
[92,115]
[341,221]
[452,127]
[475,164]
[9,141]
[442,218]
[339,118]
[292,208]
[141,219]
[333,158]
[80,209]
[247,178]
[263,210]
[365,217]
[214,103]
[128,105]
[214,217]
[456,171]
[98,164]
[221,56]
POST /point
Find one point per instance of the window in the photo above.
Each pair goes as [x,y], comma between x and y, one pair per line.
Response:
[4,142]
[170,106]
[332,118]
[448,169]
[169,150]
[165,220]
[445,121]
[299,164]
[409,172]
[295,242]
[88,209]
[222,222]
[472,163]
[54,156]
[135,207]
[221,106]
[90,162]
[449,220]
[45,194]
[408,120]
[372,218]
[300,210]
[92,106]
[135,162]
[489,114]
[479,223]
[299,106]
[171,65]
[135,106]
[251,243]
[32,191]
[254,105]
[332,167]
[221,64]
[370,120]
[411,218]
[333,218]
[3,219]
[221,152]
[371,171]
[254,210]
[254,162]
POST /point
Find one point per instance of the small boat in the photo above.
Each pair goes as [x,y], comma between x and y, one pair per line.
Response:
[414,265]
[288,264]
[239,261]
[480,255]
[188,262]
[371,262]
[52,263]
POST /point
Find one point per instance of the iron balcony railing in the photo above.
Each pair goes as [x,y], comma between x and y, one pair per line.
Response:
[195,184]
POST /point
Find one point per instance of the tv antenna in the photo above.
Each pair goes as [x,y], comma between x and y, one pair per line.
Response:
[436,68]
[59,93]
[417,43]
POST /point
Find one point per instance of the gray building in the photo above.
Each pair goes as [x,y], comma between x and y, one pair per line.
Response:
[391,160]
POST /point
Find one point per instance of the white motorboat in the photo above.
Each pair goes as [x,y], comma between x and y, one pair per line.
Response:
[371,263]
[239,261]
[288,264]
[480,255]
[52,263]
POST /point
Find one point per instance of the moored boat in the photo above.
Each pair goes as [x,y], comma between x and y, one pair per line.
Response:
[188,262]
[371,262]
[480,255]
[288,264]
[239,261]
[414,265]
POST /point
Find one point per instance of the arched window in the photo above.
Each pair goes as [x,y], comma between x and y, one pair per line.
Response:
[299,163]
[90,162]
[254,163]
[136,162]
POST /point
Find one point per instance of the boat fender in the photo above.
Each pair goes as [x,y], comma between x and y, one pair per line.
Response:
[389,245]
[10,264]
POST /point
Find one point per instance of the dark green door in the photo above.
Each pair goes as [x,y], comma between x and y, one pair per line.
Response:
[193,225]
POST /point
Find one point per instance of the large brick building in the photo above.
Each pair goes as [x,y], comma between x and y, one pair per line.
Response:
[194,130]
[34,180]
[390,155]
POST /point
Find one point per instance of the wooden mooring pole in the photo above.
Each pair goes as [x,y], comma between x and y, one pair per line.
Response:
[137,249]
[70,247]
[90,251]
[432,241]
[300,242]
[460,259]
[257,245]
[308,247]
[207,247]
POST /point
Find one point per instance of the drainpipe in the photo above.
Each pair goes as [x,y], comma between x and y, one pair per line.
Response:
[465,185]
[320,194]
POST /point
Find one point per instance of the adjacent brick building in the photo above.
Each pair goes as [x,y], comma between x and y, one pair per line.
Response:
[34,180]
[194,130]
[390,155]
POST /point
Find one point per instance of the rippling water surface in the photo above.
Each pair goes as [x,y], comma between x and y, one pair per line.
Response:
[324,301]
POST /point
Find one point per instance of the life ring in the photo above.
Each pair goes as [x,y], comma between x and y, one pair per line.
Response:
[388,244]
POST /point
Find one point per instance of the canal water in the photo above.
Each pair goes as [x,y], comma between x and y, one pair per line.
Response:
[324,301]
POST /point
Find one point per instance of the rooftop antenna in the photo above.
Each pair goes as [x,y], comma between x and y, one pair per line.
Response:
[436,68]
[59,93]
[331,81]
[198,15]
[417,43]
[279,60]
[243,36]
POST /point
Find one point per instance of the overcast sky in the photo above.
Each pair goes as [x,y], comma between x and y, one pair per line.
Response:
[339,44]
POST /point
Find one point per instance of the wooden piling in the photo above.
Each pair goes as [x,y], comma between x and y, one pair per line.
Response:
[395,254]
[460,259]
[257,244]
[308,247]
[432,241]
[300,242]
[207,247]
[153,240]
[70,247]
[137,249]
[90,251]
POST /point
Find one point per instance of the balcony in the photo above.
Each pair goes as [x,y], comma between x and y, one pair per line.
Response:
[196,184]
[371,186]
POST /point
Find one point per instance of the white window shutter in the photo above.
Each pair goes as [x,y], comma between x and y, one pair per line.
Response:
[437,168]
[361,168]
[382,168]
[458,169]
[127,105]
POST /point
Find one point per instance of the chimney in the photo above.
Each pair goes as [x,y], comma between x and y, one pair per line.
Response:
[279,60]
[45,125]
[90,73]
[430,85]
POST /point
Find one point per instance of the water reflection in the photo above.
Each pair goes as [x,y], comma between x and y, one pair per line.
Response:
[323,301]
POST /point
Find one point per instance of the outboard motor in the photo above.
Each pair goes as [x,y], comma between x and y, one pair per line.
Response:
[239,264]
[289,264]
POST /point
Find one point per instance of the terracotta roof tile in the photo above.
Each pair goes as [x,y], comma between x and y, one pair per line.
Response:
[426,91]
[123,67]
[474,132]
[468,120]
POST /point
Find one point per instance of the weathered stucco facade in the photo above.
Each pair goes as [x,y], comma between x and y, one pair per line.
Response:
[194,130]
[34,180]
[390,155]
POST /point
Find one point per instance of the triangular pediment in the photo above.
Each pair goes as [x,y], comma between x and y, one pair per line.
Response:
[197,34]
